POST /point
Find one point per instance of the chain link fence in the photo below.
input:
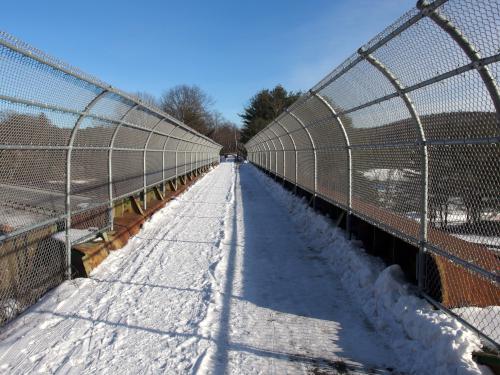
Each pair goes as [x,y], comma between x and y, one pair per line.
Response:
[70,146]
[405,135]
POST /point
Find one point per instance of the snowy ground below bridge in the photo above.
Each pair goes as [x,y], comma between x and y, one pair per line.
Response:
[222,280]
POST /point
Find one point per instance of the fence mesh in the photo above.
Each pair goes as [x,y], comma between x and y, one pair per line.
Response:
[405,134]
[70,145]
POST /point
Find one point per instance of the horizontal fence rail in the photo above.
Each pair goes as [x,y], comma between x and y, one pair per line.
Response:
[71,146]
[405,135]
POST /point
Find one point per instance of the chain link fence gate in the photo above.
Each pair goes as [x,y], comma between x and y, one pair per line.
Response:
[70,146]
[405,135]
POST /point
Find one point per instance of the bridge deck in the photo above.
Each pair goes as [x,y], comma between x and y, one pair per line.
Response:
[218,281]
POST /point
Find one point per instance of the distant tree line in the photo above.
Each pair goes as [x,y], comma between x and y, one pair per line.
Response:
[194,107]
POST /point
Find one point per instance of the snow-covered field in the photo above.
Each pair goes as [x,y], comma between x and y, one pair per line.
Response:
[237,276]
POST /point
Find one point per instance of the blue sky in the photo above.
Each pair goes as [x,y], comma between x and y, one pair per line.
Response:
[231,49]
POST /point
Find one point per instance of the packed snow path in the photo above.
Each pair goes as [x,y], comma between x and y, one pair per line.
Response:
[217,282]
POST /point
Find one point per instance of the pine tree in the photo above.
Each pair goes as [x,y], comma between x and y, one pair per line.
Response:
[264,107]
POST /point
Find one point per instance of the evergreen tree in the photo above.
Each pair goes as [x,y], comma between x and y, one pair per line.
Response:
[264,107]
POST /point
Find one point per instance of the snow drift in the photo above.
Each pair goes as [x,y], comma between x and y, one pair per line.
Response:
[425,340]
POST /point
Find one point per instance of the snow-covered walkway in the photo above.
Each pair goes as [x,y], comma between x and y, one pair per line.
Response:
[219,281]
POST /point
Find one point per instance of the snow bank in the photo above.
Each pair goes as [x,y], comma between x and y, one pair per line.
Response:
[386,174]
[425,340]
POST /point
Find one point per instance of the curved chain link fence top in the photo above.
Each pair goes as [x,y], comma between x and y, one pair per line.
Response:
[71,145]
[404,134]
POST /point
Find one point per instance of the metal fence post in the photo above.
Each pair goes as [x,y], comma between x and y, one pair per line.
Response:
[264,155]
[296,170]
[424,160]
[163,171]
[163,159]
[110,161]
[294,149]
[267,155]
[283,150]
[146,146]
[176,171]
[270,153]
[349,159]
[144,182]
[69,153]
[313,145]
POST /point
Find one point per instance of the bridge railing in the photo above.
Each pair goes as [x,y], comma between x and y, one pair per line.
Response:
[71,146]
[405,135]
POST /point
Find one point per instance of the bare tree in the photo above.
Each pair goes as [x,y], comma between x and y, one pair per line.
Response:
[216,120]
[147,98]
[226,134]
[189,104]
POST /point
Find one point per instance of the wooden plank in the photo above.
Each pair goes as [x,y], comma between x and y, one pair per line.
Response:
[137,205]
